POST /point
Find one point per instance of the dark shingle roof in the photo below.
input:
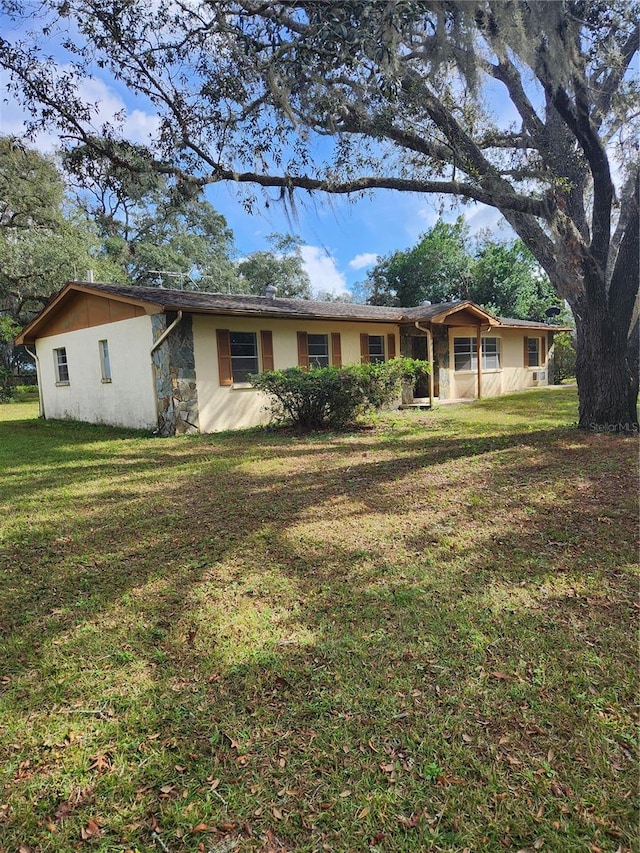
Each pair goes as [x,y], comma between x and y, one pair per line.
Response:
[199,302]
[533,324]
[233,303]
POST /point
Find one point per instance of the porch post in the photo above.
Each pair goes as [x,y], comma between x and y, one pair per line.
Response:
[430,360]
[479,352]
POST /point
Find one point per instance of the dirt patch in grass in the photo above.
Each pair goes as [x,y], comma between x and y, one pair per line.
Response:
[416,637]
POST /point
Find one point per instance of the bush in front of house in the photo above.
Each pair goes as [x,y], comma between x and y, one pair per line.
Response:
[334,397]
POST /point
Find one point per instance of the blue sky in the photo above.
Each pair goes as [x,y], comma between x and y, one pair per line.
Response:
[341,238]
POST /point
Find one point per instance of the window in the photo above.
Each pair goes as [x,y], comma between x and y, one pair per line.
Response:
[238,355]
[465,354]
[376,349]
[372,349]
[532,352]
[244,355]
[490,354]
[313,350]
[105,363]
[318,348]
[61,366]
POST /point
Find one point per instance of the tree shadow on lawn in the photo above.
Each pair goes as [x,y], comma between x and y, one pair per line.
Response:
[262,619]
[393,674]
[158,499]
[123,538]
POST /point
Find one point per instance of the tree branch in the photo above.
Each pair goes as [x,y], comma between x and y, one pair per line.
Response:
[612,82]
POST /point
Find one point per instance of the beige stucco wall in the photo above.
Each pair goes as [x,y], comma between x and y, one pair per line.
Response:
[512,376]
[223,407]
[128,400]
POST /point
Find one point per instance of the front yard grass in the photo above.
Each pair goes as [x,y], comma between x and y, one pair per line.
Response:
[416,637]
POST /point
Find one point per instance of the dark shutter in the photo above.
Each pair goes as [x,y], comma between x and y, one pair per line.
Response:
[543,350]
[364,349]
[336,349]
[224,357]
[391,346]
[526,352]
[303,351]
[266,346]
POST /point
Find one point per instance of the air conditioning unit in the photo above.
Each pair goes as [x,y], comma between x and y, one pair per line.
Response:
[539,376]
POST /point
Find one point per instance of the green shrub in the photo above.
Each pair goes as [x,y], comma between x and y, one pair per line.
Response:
[564,357]
[334,396]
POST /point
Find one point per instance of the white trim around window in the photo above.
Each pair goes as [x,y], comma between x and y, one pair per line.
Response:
[465,354]
[105,361]
[61,365]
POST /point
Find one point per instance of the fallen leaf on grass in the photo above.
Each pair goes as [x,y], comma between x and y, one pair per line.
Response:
[363,812]
[91,830]
[201,827]
[345,793]
[99,763]
[501,675]
[412,821]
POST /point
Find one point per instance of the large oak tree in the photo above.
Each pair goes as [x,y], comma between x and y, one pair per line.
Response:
[528,107]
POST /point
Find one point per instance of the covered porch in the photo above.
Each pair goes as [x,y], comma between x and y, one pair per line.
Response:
[428,339]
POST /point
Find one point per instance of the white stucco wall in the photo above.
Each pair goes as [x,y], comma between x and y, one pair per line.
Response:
[224,407]
[512,376]
[128,400]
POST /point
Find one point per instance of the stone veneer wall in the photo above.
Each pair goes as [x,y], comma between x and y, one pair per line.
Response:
[175,371]
[441,360]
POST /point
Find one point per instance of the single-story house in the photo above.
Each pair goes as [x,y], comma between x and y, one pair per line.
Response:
[177,361]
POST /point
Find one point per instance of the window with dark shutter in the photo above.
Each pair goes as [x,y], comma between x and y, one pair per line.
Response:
[266,346]
[224,357]
[533,352]
[391,346]
[336,350]
[364,349]
[303,351]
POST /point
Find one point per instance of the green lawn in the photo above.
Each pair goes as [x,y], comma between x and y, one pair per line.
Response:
[415,637]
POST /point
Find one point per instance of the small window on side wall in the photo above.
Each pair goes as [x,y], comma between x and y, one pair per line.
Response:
[532,352]
[61,366]
[105,362]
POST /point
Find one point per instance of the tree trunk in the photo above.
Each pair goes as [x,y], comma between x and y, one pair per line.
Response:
[607,384]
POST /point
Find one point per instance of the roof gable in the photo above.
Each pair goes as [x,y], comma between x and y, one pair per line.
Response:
[78,306]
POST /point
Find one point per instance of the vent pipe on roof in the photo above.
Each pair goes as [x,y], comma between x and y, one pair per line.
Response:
[270,291]
[426,302]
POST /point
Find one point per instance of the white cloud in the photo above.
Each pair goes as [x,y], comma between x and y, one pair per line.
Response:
[362,261]
[137,125]
[322,270]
